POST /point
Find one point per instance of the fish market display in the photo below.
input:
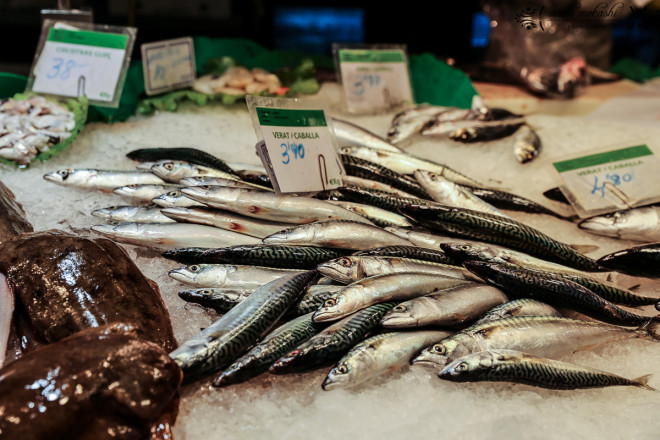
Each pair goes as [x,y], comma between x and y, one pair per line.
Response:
[221,343]
[171,235]
[342,234]
[239,81]
[378,355]
[639,260]
[29,127]
[639,224]
[515,366]
[89,385]
[453,307]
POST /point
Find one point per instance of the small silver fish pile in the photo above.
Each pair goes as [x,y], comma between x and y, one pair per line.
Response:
[29,127]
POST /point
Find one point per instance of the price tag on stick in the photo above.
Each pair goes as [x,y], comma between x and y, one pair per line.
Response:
[168,65]
[375,78]
[610,180]
[82,59]
[297,149]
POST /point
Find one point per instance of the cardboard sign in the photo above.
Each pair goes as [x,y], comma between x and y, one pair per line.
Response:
[168,65]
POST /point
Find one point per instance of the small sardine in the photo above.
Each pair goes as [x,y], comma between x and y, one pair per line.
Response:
[105,180]
[639,224]
[453,307]
[136,214]
[379,355]
[228,275]
[526,144]
[342,234]
[171,235]
[382,288]
[515,366]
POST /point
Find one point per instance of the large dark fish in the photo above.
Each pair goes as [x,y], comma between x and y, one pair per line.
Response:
[498,230]
[643,261]
[190,155]
[64,284]
[93,385]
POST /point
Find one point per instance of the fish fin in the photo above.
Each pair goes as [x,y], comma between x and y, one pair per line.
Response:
[643,382]
[633,288]
[584,248]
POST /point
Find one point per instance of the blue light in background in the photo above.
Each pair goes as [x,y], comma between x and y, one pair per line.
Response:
[480,30]
[314,30]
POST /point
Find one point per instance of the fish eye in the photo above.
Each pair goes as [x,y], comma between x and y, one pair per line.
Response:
[132,186]
[341,369]
[465,247]
[194,268]
[174,193]
[114,222]
[206,291]
[63,173]
[205,186]
[345,262]
[112,208]
[400,308]
[330,302]
[440,349]
[463,366]
[169,166]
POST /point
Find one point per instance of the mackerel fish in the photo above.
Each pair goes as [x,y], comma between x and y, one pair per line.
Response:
[639,260]
[414,252]
[639,224]
[518,307]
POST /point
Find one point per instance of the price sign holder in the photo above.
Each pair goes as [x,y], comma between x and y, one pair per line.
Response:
[168,65]
[375,78]
[296,145]
[75,59]
[610,180]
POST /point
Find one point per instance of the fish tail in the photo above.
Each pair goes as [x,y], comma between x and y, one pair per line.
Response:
[651,328]
[643,382]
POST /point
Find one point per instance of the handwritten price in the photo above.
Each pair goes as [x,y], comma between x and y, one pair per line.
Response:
[611,179]
[62,68]
[364,81]
[297,151]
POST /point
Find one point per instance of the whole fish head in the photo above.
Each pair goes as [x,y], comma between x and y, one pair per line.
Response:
[220,194]
[60,176]
[401,316]
[464,134]
[339,376]
[203,275]
[463,251]
[343,269]
[296,235]
[193,181]
[341,304]
[195,294]
[632,223]
[112,229]
[172,171]
[105,213]
[127,190]
[468,367]
[443,352]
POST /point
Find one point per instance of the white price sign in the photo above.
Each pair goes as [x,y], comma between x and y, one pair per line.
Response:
[611,180]
[76,62]
[168,65]
[298,150]
[374,79]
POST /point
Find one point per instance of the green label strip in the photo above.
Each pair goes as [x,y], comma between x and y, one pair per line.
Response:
[88,38]
[601,158]
[280,117]
[371,56]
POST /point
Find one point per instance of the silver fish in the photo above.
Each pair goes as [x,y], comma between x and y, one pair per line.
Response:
[210,180]
[228,275]
[175,199]
[343,234]
[172,235]
[174,171]
[639,224]
[452,307]
[353,268]
[526,144]
[137,214]
[410,122]
[348,133]
[144,193]
[101,179]
[269,206]
[447,192]
[225,220]
[382,288]
[378,355]
[424,239]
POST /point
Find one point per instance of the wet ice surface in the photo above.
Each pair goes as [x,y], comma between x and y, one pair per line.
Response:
[413,403]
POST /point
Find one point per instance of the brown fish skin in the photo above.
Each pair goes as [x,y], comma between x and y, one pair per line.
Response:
[64,283]
[12,216]
[93,385]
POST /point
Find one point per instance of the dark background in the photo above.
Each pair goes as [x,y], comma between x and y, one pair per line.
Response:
[444,30]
